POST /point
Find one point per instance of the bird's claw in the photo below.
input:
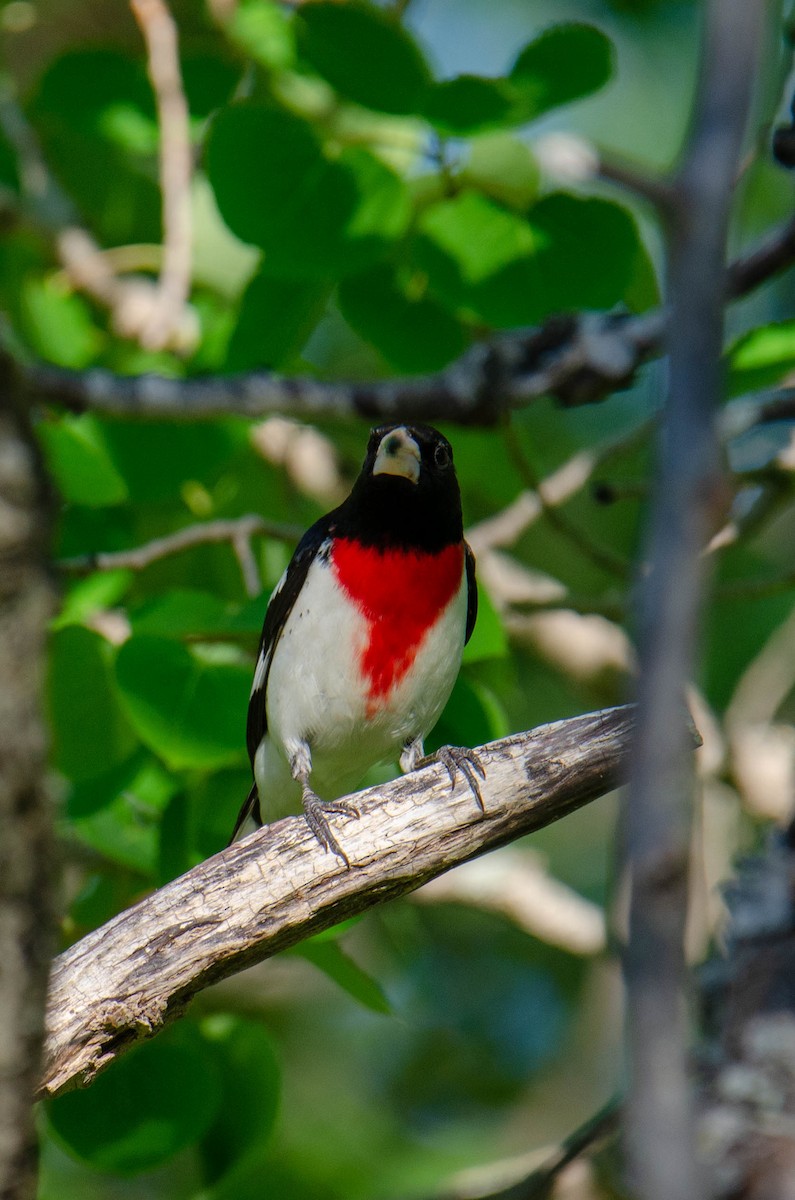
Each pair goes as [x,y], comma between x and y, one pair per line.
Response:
[315,811]
[459,758]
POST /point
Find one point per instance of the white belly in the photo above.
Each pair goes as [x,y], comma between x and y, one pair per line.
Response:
[317,694]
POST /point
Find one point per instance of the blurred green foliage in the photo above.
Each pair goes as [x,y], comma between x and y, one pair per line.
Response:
[371,194]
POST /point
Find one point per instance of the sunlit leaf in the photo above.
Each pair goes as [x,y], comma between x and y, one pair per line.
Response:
[762,357]
[262,30]
[79,458]
[85,597]
[503,167]
[58,323]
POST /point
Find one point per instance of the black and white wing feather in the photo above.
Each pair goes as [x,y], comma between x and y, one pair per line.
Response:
[472,591]
[280,606]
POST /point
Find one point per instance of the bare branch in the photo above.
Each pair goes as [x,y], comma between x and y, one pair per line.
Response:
[601,556]
[122,982]
[655,190]
[166,318]
[764,261]
[539,1183]
[659,1110]
[140,557]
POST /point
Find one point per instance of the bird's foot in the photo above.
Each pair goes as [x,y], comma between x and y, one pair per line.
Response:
[315,811]
[459,758]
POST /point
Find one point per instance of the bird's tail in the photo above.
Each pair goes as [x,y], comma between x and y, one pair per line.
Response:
[250,809]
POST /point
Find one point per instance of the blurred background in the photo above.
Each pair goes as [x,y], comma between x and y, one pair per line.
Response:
[338,227]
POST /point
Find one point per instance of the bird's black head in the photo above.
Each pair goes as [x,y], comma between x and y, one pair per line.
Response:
[407,493]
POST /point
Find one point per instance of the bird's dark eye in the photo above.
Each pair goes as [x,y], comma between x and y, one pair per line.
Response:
[441,456]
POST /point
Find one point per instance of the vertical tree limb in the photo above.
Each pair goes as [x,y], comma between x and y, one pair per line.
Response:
[26,843]
[688,498]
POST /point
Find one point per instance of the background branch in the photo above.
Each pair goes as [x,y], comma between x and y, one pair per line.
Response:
[140,557]
[577,359]
[119,984]
[689,494]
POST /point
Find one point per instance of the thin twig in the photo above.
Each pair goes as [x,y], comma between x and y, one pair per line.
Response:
[136,559]
[657,191]
[600,556]
[167,315]
[508,525]
[659,1124]
[755,589]
[88,267]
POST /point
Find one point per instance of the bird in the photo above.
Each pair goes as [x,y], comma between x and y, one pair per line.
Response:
[363,638]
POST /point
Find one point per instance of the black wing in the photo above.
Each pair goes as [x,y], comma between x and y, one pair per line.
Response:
[279,608]
[472,592]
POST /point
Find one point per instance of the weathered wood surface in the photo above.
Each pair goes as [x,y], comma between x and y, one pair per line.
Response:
[119,984]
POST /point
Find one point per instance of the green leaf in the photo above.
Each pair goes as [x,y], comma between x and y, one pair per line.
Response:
[502,167]
[79,463]
[190,711]
[473,715]
[250,1079]
[90,733]
[565,63]
[570,253]
[100,791]
[593,248]
[275,320]
[262,31]
[192,613]
[198,821]
[364,54]
[146,1107]
[411,330]
[478,257]
[92,108]
[329,957]
[315,216]
[126,828]
[78,457]
[469,104]
[180,613]
[58,324]
[477,236]
[88,596]
[489,639]
[761,357]
[155,457]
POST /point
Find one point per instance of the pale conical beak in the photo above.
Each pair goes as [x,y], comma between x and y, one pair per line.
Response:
[398,454]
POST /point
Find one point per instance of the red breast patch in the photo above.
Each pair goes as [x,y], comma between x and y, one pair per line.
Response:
[401,594]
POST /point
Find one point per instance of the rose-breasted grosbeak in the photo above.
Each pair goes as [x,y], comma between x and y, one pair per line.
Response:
[363,636]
